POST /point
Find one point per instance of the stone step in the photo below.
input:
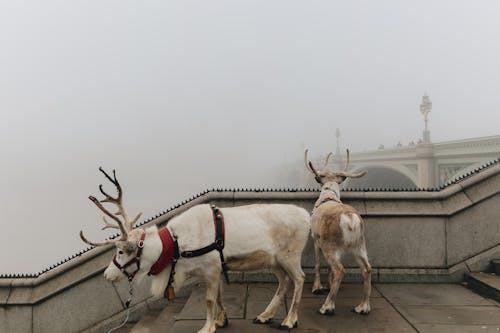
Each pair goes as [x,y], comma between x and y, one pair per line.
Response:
[485,284]
[495,263]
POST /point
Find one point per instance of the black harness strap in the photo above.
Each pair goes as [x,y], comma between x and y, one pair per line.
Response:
[218,245]
[219,238]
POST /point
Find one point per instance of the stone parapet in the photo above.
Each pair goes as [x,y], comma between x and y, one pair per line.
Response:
[412,236]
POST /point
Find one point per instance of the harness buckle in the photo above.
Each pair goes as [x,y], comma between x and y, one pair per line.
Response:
[187,254]
[140,244]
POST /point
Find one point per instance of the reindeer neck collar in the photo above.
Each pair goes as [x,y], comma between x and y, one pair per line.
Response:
[169,253]
[329,192]
[331,187]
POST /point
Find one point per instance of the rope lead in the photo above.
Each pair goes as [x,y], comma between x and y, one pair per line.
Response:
[127,304]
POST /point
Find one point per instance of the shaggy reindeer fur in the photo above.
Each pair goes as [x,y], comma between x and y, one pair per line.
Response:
[336,229]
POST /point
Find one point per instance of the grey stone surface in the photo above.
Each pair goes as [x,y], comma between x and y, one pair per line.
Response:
[430,294]
[442,307]
[443,328]
[20,295]
[473,231]
[455,203]
[5,291]
[495,263]
[399,205]
[346,290]
[234,297]
[235,325]
[16,319]
[453,274]
[415,275]
[78,308]
[485,284]
[137,312]
[409,242]
[460,311]
[492,279]
[481,187]
[454,315]
[383,318]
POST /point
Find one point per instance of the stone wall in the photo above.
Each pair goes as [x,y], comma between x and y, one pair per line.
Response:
[418,236]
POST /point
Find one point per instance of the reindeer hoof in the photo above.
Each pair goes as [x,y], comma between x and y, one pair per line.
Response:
[329,312]
[362,312]
[321,291]
[258,321]
[224,324]
[282,327]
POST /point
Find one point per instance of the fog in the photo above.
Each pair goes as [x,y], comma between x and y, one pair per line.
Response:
[181,96]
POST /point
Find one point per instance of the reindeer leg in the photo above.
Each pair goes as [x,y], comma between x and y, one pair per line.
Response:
[317,288]
[213,282]
[221,318]
[366,271]
[294,270]
[283,284]
[337,269]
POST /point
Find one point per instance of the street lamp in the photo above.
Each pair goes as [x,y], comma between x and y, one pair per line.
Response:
[425,109]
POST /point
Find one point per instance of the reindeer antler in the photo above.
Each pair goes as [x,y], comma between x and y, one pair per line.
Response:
[311,168]
[346,161]
[129,224]
[125,226]
[345,173]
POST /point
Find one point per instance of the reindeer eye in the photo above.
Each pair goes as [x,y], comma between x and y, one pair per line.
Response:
[120,252]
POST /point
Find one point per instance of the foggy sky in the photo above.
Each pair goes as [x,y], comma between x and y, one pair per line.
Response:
[181,96]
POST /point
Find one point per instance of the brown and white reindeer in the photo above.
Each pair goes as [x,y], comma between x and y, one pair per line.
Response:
[337,228]
[204,242]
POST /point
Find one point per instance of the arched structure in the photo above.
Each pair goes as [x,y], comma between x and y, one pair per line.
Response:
[426,165]
[383,177]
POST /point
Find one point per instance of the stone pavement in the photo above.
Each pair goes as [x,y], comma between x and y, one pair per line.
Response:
[429,308]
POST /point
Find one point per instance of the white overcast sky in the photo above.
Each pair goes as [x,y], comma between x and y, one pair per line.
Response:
[180,96]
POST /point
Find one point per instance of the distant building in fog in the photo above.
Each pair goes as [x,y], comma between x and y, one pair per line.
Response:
[418,165]
[422,165]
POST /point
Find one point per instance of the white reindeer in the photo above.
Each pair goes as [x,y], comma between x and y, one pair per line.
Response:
[261,236]
[336,229]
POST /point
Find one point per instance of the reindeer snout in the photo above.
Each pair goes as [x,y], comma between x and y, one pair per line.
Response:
[112,274]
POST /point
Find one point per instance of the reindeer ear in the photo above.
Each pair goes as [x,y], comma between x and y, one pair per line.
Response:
[356,175]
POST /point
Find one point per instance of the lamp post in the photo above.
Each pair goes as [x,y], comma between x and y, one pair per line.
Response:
[425,109]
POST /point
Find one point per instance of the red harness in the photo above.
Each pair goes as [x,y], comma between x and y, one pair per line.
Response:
[167,253]
[166,257]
